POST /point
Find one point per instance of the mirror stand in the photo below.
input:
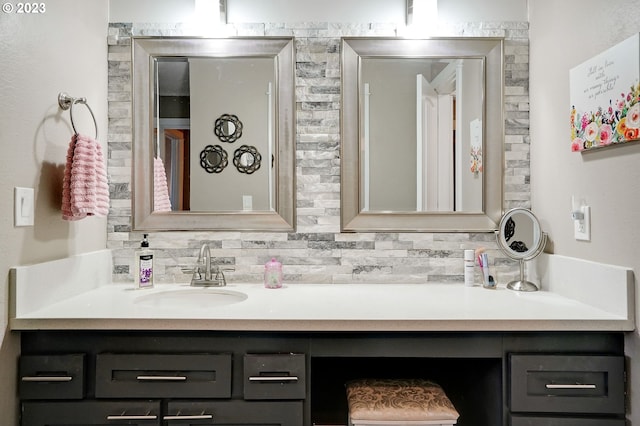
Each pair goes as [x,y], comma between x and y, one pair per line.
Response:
[522,284]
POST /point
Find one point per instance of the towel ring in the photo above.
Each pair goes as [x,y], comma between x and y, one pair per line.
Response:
[67,102]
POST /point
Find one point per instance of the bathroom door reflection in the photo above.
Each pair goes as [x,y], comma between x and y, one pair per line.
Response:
[174,150]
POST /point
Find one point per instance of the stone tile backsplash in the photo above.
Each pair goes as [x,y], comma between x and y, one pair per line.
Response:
[317,252]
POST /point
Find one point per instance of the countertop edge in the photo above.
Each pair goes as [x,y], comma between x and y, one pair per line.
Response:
[321,325]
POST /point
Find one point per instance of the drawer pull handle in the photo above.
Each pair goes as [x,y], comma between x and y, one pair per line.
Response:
[273,378]
[569,386]
[47,378]
[161,378]
[132,417]
[196,417]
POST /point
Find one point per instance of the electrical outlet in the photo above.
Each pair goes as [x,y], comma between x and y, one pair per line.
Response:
[582,227]
[247,202]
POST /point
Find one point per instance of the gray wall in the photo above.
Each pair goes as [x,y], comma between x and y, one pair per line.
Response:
[608,179]
[392,125]
[42,55]
[237,87]
[471,182]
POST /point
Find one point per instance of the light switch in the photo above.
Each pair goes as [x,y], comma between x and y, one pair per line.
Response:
[23,206]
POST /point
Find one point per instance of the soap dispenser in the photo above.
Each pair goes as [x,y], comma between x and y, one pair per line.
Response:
[144,264]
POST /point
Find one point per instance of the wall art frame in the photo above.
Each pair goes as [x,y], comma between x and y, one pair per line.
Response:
[605,98]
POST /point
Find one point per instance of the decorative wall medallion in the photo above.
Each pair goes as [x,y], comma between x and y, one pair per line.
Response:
[228,128]
[247,159]
[213,158]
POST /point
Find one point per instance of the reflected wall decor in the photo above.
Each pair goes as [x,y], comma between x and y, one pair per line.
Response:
[605,98]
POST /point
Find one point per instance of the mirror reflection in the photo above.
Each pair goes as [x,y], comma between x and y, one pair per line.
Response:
[228,128]
[213,159]
[193,99]
[247,159]
[520,232]
[422,133]
[196,91]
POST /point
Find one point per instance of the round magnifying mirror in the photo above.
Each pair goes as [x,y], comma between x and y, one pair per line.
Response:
[521,238]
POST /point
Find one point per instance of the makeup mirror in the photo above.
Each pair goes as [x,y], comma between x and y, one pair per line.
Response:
[520,237]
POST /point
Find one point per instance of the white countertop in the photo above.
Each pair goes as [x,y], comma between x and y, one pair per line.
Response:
[320,307]
[329,307]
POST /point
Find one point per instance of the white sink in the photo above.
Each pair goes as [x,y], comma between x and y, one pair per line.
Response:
[190,298]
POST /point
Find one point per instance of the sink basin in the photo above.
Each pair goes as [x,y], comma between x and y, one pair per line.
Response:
[191,298]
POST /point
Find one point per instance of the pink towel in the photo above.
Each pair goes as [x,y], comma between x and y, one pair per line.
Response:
[85,190]
[161,201]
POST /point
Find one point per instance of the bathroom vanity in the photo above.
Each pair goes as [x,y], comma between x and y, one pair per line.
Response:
[297,378]
[102,353]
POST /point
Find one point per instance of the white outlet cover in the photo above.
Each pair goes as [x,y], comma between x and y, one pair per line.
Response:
[582,228]
[247,202]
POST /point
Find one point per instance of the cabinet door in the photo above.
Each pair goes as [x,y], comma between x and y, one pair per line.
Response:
[87,413]
[567,384]
[163,376]
[274,376]
[559,421]
[52,376]
[234,413]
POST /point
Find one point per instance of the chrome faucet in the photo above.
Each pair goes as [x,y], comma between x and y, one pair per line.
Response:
[213,275]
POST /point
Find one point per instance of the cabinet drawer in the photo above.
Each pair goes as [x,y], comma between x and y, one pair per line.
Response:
[567,384]
[560,421]
[51,376]
[234,413]
[190,412]
[85,413]
[163,376]
[274,376]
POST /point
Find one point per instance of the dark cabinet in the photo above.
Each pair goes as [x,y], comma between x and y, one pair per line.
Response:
[87,413]
[561,421]
[51,376]
[569,389]
[168,389]
[234,412]
[274,376]
[163,375]
[244,378]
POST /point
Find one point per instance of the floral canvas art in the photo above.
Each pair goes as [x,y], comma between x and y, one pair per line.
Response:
[605,98]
